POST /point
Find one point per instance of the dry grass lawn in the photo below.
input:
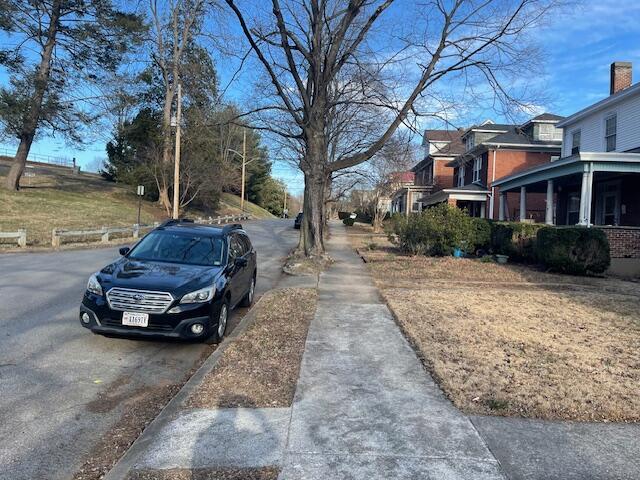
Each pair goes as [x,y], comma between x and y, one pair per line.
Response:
[261,367]
[512,340]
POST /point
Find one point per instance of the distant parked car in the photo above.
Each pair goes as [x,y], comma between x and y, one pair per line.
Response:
[181,280]
[297,223]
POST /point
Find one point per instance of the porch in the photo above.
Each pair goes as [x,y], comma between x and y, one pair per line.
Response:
[590,188]
[471,197]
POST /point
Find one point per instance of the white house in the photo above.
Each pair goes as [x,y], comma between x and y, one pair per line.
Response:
[596,182]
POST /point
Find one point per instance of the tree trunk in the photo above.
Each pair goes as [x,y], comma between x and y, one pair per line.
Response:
[31,117]
[313,221]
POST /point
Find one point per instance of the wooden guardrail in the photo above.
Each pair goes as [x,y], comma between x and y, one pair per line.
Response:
[58,234]
[105,232]
[224,219]
[20,236]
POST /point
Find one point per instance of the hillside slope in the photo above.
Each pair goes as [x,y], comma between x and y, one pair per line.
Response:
[57,198]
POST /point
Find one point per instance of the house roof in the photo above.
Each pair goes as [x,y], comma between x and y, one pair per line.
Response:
[605,103]
[454,137]
[546,117]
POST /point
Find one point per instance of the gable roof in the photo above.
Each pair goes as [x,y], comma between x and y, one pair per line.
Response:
[454,137]
[546,117]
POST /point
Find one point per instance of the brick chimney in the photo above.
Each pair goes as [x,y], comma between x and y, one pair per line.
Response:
[620,76]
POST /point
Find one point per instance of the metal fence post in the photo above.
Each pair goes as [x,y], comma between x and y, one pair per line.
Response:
[22,239]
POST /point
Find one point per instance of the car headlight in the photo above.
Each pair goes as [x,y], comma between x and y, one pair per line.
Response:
[199,296]
[94,286]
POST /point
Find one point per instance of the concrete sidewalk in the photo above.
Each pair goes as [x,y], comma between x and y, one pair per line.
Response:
[364,407]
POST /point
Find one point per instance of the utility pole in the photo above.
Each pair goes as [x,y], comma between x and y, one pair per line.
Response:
[176,173]
[244,158]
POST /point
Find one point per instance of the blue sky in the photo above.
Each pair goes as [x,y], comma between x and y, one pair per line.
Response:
[579,46]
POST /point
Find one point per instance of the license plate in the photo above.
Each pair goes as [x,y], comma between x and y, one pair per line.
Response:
[135,319]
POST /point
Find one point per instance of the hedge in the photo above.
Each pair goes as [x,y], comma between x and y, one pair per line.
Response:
[436,231]
[515,239]
[573,250]
[349,221]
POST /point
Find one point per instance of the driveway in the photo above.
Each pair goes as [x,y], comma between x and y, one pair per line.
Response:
[63,387]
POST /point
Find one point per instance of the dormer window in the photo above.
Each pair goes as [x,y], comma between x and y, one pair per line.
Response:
[610,134]
[575,142]
[469,141]
[477,168]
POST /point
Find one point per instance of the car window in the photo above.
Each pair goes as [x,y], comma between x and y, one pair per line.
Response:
[172,247]
[246,243]
[235,247]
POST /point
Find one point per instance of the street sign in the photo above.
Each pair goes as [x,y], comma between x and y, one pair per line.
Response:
[140,190]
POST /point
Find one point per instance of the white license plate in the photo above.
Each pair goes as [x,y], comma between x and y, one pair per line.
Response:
[135,319]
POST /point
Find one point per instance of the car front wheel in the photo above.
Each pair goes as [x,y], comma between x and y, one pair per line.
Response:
[220,327]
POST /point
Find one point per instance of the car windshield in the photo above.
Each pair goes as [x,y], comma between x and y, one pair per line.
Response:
[172,247]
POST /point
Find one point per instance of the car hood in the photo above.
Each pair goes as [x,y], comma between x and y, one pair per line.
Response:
[177,279]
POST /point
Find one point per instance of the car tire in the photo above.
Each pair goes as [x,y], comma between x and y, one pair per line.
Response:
[247,301]
[217,330]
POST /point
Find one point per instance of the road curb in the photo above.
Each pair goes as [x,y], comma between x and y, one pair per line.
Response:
[126,463]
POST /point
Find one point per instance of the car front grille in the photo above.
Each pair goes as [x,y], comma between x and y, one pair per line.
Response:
[125,299]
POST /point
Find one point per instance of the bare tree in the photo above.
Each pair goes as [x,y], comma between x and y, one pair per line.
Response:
[174,26]
[381,175]
[324,55]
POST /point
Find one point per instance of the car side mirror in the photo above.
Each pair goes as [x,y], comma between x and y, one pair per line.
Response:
[124,251]
[241,262]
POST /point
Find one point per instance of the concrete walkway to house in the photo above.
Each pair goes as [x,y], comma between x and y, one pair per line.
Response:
[364,406]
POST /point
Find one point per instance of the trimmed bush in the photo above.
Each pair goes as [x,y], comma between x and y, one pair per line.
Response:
[481,234]
[349,221]
[436,231]
[573,250]
[515,239]
[343,215]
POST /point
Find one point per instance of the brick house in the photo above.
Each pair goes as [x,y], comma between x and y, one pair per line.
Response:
[432,173]
[492,151]
[596,180]
[403,194]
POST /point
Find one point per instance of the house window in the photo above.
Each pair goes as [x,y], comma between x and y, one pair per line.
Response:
[611,128]
[470,141]
[575,142]
[461,176]
[477,167]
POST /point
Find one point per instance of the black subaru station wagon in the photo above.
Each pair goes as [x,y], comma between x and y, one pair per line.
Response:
[180,280]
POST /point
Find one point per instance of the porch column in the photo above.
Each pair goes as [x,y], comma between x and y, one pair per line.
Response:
[548,218]
[523,203]
[482,209]
[585,197]
[502,206]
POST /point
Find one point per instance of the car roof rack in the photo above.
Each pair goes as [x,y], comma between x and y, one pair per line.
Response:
[175,221]
[231,226]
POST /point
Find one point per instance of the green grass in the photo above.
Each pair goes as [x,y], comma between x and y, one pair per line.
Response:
[61,199]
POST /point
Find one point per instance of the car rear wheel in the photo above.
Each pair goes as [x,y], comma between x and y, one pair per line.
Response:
[218,330]
[247,301]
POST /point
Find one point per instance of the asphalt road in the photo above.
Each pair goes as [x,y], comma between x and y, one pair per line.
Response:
[53,372]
